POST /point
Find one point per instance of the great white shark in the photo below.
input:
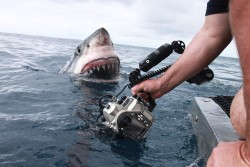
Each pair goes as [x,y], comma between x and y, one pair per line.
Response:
[95,57]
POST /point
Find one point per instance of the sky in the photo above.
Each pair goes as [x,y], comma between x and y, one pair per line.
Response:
[146,23]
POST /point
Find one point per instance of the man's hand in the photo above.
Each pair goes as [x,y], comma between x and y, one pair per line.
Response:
[151,86]
[229,154]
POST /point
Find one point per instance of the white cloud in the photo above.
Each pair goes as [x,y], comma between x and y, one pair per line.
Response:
[133,22]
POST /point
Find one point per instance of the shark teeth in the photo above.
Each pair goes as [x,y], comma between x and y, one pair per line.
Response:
[104,69]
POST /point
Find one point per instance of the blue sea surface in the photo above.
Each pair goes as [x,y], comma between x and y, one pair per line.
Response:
[48,119]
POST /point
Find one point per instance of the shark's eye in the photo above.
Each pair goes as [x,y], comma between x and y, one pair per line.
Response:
[78,50]
[88,45]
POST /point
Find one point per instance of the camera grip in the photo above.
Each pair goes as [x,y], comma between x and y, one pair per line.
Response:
[151,102]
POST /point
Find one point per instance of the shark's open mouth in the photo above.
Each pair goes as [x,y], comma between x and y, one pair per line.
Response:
[103,68]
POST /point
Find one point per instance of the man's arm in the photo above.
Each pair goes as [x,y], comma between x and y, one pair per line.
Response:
[208,43]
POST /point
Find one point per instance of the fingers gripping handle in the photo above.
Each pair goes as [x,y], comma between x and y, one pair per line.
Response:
[148,101]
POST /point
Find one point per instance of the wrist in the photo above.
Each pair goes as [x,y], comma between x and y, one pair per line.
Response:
[163,84]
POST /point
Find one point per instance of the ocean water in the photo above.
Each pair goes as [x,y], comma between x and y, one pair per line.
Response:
[48,119]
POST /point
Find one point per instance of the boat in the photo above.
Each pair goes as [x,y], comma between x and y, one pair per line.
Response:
[211,123]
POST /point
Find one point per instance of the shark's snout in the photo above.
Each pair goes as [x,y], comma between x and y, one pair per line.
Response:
[103,37]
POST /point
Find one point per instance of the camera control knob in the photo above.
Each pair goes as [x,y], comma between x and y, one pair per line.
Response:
[123,98]
[108,106]
[140,117]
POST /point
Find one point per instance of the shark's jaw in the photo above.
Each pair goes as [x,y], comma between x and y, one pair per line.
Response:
[103,68]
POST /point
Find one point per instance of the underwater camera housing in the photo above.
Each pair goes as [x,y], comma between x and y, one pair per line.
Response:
[130,116]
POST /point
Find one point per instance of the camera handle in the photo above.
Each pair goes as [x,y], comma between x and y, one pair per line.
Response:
[152,103]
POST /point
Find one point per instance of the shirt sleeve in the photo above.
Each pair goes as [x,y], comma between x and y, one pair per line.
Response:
[217,6]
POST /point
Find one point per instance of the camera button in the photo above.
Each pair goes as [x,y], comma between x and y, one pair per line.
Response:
[140,117]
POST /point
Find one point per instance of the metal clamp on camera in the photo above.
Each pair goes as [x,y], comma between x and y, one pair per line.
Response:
[131,116]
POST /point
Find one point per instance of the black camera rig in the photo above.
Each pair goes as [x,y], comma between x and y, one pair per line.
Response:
[131,116]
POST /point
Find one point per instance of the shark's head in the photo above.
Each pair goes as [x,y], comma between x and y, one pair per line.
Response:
[95,57]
